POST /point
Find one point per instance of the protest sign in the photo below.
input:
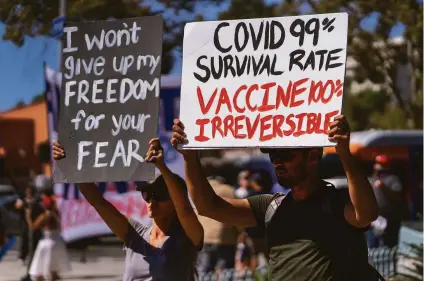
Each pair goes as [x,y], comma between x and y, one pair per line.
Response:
[272,82]
[110,101]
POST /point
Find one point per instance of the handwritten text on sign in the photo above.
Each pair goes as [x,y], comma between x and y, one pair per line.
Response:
[263,82]
[110,100]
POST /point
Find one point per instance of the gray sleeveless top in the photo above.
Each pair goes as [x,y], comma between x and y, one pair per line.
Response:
[173,260]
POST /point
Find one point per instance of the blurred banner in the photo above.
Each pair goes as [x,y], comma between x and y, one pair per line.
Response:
[79,219]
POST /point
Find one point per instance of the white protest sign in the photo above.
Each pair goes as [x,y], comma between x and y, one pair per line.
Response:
[272,82]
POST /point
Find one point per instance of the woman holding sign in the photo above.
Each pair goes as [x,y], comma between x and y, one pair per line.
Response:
[167,250]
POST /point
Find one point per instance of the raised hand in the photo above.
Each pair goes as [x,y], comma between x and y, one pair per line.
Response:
[155,153]
[180,137]
[339,131]
[58,151]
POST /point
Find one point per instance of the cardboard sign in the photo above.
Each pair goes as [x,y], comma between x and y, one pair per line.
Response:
[272,82]
[110,101]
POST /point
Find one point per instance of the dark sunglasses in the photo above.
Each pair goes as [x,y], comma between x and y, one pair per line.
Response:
[284,155]
[150,195]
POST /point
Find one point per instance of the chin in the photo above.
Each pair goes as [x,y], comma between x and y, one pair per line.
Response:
[286,183]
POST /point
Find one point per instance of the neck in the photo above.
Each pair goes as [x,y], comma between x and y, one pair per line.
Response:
[306,188]
[162,226]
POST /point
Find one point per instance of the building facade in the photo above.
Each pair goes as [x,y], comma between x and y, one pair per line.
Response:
[24,141]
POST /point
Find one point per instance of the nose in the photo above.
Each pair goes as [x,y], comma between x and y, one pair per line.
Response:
[152,202]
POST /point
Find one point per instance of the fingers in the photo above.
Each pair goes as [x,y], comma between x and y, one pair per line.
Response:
[339,125]
[58,151]
[159,155]
[179,130]
[342,120]
[178,123]
[335,131]
[57,146]
[153,155]
[179,136]
[339,129]
[154,141]
[148,155]
[337,138]
[154,152]
[178,139]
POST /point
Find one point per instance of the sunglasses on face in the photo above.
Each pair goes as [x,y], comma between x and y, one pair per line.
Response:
[150,195]
[284,155]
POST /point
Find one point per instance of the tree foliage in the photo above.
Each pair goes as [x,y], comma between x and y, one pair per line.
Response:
[379,58]
[38,98]
[20,104]
[34,17]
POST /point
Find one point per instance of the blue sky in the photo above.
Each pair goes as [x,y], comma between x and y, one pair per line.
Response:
[21,69]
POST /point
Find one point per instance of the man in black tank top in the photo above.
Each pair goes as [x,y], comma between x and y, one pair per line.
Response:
[313,221]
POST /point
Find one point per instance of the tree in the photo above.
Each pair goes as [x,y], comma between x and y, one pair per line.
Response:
[360,109]
[379,58]
[19,104]
[33,17]
[38,98]
[242,9]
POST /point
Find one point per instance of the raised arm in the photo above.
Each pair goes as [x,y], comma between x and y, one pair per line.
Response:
[116,221]
[39,221]
[178,194]
[362,208]
[227,210]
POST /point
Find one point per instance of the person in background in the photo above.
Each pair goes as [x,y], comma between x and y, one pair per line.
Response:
[220,239]
[256,184]
[243,190]
[3,230]
[245,255]
[259,184]
[41,181]
[29,238]
[392,205]
[50,257]
[167,250]
[29,197]
[7,239]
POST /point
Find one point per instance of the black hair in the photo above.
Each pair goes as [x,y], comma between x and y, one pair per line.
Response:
[32,189]
[48,191]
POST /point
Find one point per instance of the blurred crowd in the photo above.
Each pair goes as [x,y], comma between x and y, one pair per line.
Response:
[34,213]
[225,246]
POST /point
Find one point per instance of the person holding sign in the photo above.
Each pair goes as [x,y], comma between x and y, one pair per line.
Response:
[168,249]
[314,232]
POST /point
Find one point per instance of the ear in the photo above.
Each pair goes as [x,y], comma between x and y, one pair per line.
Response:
[314,157]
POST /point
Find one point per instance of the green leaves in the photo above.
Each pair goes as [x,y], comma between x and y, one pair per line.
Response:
[34,17]
[378,57]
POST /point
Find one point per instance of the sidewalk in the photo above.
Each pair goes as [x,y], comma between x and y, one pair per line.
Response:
[104,263]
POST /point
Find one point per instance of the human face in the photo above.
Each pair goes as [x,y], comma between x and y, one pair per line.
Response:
[243,179]
[290,166]
[28,193]
[158,205]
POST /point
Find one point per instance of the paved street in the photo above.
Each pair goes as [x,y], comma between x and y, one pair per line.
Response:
[104,263]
